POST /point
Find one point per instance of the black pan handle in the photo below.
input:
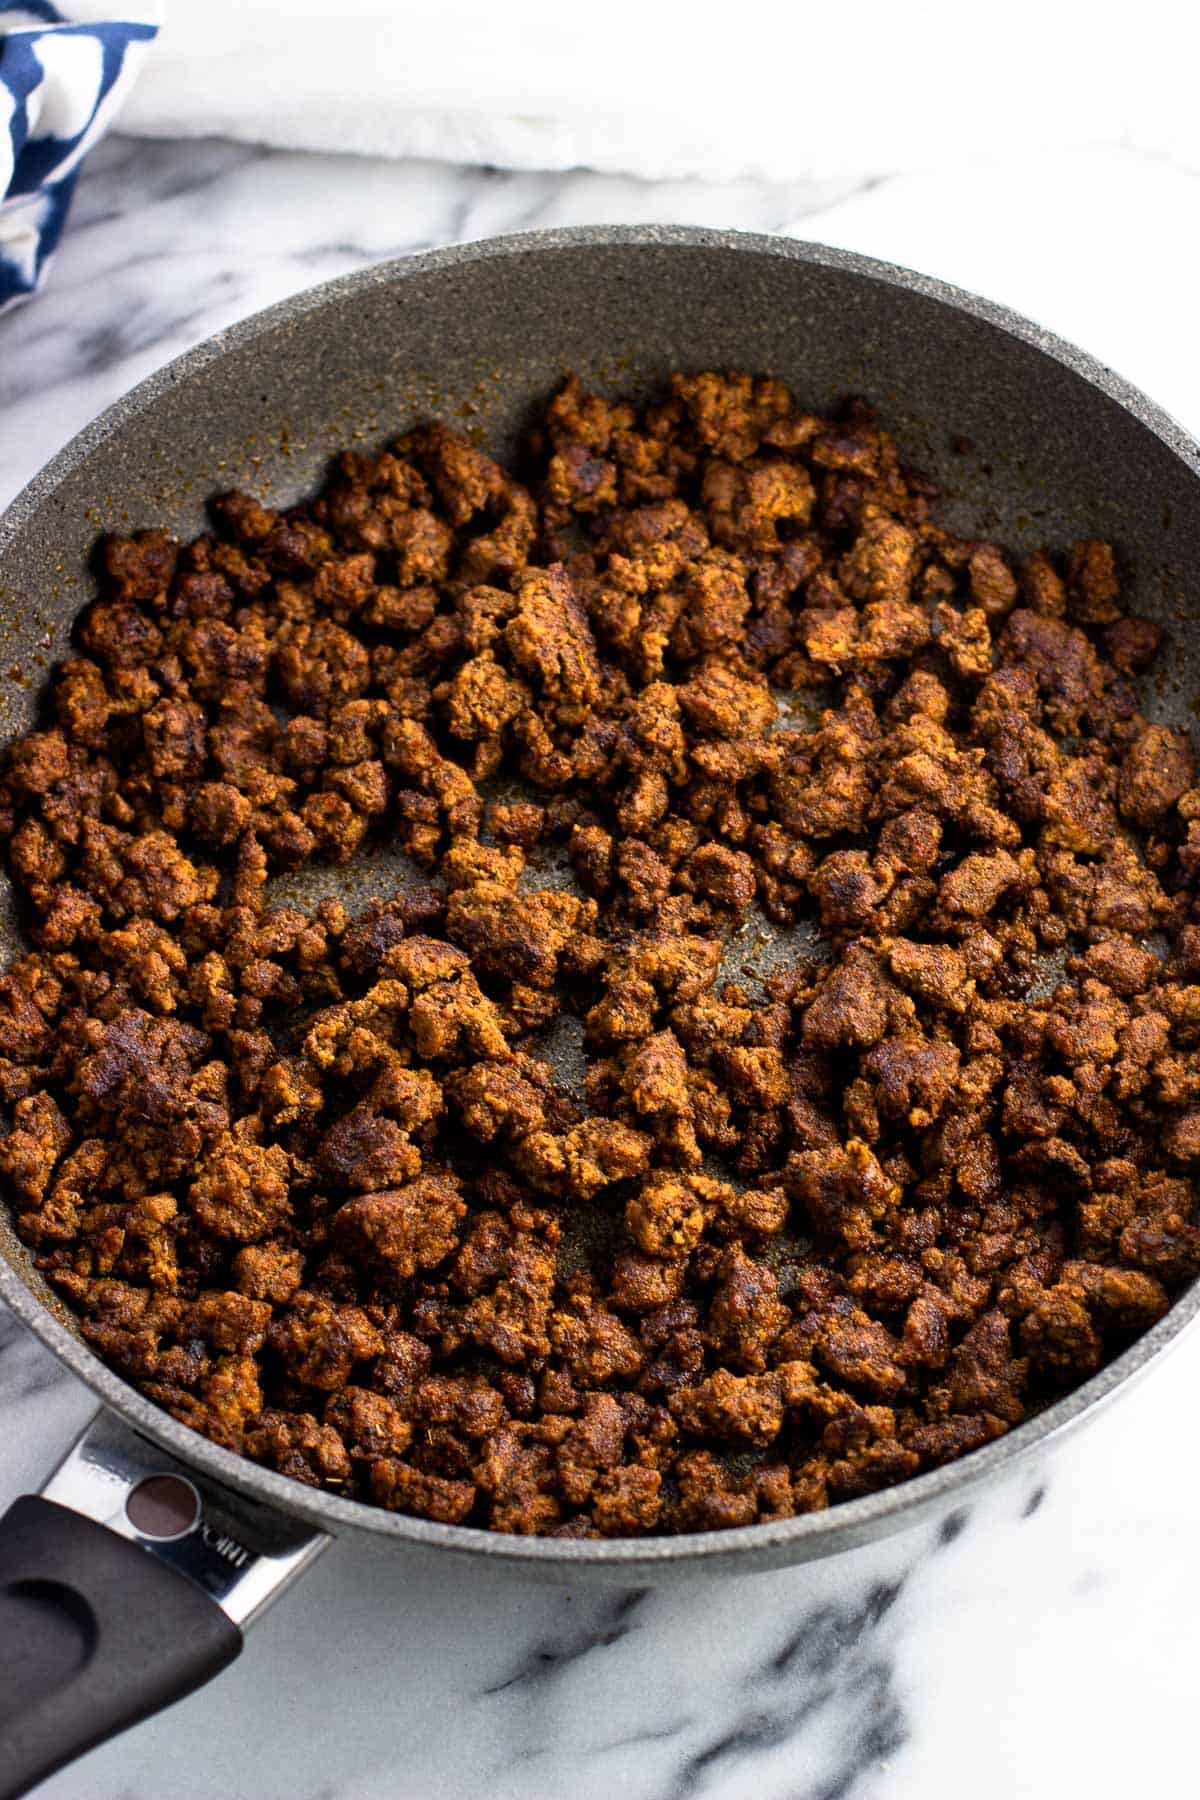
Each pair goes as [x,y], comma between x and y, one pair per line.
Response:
[124,1585]
[94,1635]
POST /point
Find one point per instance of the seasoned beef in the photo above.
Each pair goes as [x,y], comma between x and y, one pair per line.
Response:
[503,1201]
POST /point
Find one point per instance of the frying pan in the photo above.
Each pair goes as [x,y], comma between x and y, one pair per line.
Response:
[128,1581]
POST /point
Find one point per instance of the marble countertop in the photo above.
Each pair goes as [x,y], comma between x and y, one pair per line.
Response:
[1045,1638]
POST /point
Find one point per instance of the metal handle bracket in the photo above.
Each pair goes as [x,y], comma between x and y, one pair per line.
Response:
[242,1554]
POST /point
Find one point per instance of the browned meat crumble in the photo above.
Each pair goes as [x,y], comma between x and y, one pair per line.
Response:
[308,1178]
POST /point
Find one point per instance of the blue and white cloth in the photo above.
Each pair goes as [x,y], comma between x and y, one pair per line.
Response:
[64,70]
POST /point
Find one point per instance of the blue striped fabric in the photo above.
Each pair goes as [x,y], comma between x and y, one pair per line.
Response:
[61,81]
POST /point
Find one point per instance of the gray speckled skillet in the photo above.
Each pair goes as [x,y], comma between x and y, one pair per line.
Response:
[1063,448]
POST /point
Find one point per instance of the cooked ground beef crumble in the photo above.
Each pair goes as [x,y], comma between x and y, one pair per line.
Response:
[308,1178]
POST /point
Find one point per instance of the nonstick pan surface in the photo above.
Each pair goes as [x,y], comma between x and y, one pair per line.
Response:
[479,335]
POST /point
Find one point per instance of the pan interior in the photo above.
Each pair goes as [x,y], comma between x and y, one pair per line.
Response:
[479,340]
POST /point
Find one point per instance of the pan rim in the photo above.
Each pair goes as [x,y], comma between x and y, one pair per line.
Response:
[852,1522]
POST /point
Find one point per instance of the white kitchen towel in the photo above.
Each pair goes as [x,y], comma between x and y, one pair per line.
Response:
[777,89]
[65,66]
